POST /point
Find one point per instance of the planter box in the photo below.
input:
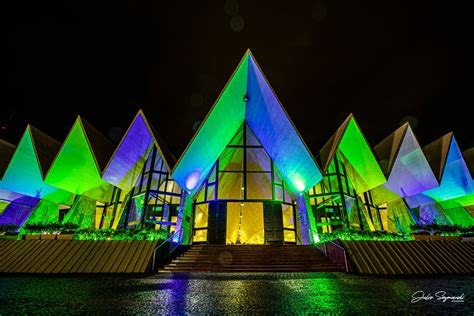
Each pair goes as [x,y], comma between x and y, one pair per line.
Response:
[468,239]
[8,237]
[452,238]
[421,237]
[64,236]
[48,236]
[436,238]
[30,237]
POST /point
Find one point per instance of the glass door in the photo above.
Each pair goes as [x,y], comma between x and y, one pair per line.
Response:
[245,223]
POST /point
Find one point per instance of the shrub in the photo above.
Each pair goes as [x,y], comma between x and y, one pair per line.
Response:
[8,228]
[444,230]
[51,228]
[347,234]
[121,234]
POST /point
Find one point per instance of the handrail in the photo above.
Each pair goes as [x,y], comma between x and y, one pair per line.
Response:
[170,238]
[331,254]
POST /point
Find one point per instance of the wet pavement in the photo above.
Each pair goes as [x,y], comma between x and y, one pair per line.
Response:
[249,293]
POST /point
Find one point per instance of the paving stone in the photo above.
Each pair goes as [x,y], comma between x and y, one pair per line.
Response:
[228,293]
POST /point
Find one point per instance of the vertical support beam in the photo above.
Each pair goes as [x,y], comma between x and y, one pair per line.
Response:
[148,184]
[165,216]
[341,192]
[244,184]
[128,205]
[297,224]
[358,211]
[410,210]
[368,205]
[380,218]
[184,222]
[305,219]
[118,193]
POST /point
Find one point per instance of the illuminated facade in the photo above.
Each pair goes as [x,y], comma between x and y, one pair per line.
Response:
[246,177]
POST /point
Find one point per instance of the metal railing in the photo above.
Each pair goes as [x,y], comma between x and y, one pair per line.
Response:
[334,252]
[167,248]
[162,247]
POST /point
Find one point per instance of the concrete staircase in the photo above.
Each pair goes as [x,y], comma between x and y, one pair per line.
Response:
[251,258]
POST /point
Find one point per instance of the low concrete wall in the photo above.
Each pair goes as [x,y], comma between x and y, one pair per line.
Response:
[410,257]
[76,256]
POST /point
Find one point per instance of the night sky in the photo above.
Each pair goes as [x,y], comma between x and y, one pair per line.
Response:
[385,62]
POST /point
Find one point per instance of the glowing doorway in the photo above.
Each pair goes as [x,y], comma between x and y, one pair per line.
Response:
[245,223]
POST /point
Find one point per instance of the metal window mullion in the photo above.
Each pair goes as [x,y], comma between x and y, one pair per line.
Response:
[147,189]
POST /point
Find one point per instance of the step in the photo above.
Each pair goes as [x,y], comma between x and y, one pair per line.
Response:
[248,258]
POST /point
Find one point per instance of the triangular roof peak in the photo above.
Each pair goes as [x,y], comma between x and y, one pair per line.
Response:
[78,165]
[387,150]
[436,153]
[455,177]
[468,155]
[247,96]
[101,147]
[28,165]
[45,148]
[407,170]
[328,151]
[132,151]
[351,142]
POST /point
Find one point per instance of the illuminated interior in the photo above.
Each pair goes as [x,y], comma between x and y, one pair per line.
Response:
[245,197]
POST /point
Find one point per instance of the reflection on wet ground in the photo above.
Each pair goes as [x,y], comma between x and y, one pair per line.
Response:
[204,293]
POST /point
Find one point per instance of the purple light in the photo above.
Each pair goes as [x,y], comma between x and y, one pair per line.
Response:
[193,179]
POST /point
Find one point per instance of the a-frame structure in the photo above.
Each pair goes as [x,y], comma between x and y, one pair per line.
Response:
[248,98]
[350,170]
[31,160]
[140,167]
[405,166]
[448,202]
[451,170]
[25,175]
[353,148]
[77,167]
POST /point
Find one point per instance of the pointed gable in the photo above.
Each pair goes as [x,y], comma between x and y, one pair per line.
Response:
[357,155]
[408,171]
[215,132]
[455,178]
[6,153]
[436,154]
[387,150]
[24,174]
[129,158]
[273,127]
[468,155]
[76,168]
[100,146]
[247,96]
[45,147]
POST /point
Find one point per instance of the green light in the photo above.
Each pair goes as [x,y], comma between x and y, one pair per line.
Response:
[24,174]
[216,131]
[248,97]
[366,172]
[75,168]
[299,185]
